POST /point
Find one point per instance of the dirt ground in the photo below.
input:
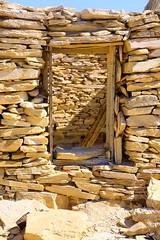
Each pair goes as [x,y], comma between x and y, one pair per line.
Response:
[104,218]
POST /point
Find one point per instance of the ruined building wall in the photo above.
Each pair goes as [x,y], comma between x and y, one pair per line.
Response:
[24,168]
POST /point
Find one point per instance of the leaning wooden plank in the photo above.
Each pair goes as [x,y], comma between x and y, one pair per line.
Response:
[110,99]
[95,129]
[121,124]
[118,150]
[78,153]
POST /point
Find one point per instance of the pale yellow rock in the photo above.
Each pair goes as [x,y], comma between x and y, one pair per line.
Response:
[27,104]
[110,195]
[118,175]
[15,123]
[100,14]
[87,186]
[136,146]
[57,178]
[155,53]
[156,111]
[7,66]
[125,168]
[41,154]
[19,86]
[10,164]
[1,172]
[139,52]
[10,99]
[149,43]
[40,170]
[70,191]
[10,145]
[38,121]
[70,225]
[136,229]
[143,121]
[137,111]
[142,86]
[20,54]
[137,58]
[138,139]
[20,23]
[36,162]
[11,116]
[33,148]
[19,73]
[48,199]
[14,132]
[141,101]
[39,113]
[143,66]
[35,140]
[144,132]
[153,198]
[22,33]
[31,186]
[155,144]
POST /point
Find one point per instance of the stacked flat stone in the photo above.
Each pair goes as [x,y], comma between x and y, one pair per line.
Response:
[142,81]
[78,94]
[23,140]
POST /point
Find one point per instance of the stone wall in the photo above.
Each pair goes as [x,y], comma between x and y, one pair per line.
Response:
[24,33]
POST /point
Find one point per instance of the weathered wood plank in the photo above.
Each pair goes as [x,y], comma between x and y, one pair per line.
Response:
[110,94]
[50,104]
[118,150]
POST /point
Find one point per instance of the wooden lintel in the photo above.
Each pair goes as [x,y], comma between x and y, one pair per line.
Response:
[110,95]
[87,45]
[94,50]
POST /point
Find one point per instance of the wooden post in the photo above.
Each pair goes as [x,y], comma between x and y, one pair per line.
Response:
[50,104]
[110,95]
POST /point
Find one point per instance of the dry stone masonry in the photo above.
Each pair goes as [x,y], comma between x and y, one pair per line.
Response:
[79,95]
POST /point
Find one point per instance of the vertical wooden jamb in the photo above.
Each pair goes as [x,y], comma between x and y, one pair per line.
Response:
[50,104]
[110,95]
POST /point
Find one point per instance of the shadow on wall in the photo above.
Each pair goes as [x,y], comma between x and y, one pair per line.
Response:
[79,93]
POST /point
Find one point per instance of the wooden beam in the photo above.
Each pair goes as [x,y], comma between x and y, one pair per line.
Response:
[50,104]
[94,50]
[110,95]
[88,45]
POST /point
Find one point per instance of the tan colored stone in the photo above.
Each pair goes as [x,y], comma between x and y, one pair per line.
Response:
[144,132]
[54,178]
[14,132]
[40,113]
[31,186]
[136,146]
[10,145]
[22,14]
[144,66]
[87,186]
[139,52]
[153,198]
[156,111]
[138,228]
[111,195]
[142,86]
[13,98]
[137,58]
[11,116]
[155,144]
[100,14]
[137,111]
[143,121]
[41,154]
[19,86]
[40,170]
[149,43]
[118,175]
[22,33]
[33,148]
[70,225]
[19,73]
[138,139]
[141,101]
[7,164]
[20,23]
[8,66]
[35,140]
[78,153]
[38,121]
[48,199]
[125,168]
[20,54]
[70,191]
[15,123]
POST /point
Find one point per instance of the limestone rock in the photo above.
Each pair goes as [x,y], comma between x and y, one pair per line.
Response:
[86,186]
[59,225]
[143,121]
[57,178]
[118,175]
[155,144]
[40,113]
[14,132]
[19,73]
[38,121]
[10,145]
[48,199]
[136,229]
[137,111]
[141,101]
[70,191]
[153,199]
[11,212]
[35,140]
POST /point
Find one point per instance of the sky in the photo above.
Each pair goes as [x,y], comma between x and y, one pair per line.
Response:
[126,5]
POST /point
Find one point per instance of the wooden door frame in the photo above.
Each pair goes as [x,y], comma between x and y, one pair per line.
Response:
[110,50]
